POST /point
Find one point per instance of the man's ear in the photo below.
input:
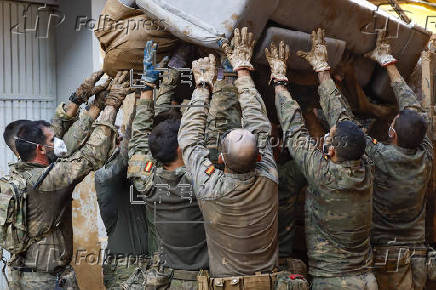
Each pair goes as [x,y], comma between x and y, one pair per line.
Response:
[220,159]
[332,152]
[41,149]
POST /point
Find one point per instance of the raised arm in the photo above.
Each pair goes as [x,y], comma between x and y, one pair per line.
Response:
[254,115]
[141,161]
[66,114]
[331,99]
[192,131]
[94,153]
[296,137]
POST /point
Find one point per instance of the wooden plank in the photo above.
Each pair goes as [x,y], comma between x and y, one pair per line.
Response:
[35,54]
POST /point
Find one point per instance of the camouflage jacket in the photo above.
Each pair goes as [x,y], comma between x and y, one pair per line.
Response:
[401,180]
[172,208]
[401,177]
[49,213]
[338,201]
[74,131]
[239,244]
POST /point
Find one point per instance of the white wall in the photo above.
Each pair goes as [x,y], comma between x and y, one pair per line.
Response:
[73,48]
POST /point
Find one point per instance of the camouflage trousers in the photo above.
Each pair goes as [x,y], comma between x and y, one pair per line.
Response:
[400,268]
[42,281]
[353,282]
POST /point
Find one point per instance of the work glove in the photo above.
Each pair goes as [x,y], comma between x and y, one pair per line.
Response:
[100,97]
[87,89]
[151,74]
[317,57]
[241,49]
[120,88]
[204,70]
[277,59]
[382,52]
[182,55]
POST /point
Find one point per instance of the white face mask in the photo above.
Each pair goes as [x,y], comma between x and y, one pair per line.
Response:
[60,149]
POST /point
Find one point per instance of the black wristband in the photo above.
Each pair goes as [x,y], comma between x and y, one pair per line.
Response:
[205,86]
[279,83]
[76,99]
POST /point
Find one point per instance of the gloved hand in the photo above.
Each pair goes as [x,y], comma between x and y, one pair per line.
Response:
[182,56]
[317,57]
[204,70]
[241,49]
[87,89]
[151,74]
[100,97]
[382,52]
[277,59]
[120,88]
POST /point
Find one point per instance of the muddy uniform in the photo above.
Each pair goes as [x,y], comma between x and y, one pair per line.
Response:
[400,186]
[46,262]
[175,223]
[338,201]
[240,210]
[224,115]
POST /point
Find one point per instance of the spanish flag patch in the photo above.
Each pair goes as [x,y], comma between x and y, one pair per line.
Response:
[374,141]
[148,166]
[210,170]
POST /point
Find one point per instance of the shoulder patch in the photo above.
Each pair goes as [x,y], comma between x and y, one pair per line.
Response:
[148,166]
[374,141]
[326,157]
[210,170]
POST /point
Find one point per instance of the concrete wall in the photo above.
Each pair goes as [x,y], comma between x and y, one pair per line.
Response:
[73,48]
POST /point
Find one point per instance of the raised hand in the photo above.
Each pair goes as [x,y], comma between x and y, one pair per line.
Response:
[204,70]
[151,74]
[87,89]
[240,51]
[317,57]
[100,96]
[120,88]
[277,59]
[382,52]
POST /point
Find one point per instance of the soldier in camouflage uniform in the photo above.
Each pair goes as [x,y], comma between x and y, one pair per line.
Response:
[338,201]
[239,204]
[402,172]
[44,264]
[175,223]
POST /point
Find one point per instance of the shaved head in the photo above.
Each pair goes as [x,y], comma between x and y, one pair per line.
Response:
[239,151]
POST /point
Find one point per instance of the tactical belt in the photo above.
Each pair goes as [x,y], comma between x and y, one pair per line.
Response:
[185,275]
[33,270]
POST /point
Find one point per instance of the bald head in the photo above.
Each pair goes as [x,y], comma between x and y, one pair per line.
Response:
[239,150]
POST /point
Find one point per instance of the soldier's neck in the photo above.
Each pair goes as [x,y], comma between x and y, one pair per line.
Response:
[174,165]
[40,159]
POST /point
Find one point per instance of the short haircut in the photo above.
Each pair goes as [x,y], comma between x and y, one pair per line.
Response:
[170,114]
[11,132]
[163,141]
[31,132]
[411,128]
[349,141]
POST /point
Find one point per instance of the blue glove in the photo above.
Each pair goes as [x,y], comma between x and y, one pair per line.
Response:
[151,75]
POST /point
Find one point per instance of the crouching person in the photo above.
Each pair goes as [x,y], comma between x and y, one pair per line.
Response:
[36,199]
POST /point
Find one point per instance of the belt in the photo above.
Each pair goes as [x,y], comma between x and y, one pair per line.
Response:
[185,275]
[33,270]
